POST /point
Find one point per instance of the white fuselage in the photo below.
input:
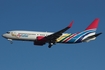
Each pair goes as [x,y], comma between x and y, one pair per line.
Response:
[41,38]
[64,38]
[25,35]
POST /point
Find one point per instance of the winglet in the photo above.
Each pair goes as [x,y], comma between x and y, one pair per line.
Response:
[70,24]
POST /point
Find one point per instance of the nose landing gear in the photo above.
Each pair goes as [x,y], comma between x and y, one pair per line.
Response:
[10,41]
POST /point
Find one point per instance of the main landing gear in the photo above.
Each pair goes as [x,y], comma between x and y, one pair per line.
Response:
[50,45]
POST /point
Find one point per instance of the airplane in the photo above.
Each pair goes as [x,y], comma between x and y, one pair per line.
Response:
[41,38]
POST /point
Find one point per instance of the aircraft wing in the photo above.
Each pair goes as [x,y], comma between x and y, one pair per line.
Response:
[52,38]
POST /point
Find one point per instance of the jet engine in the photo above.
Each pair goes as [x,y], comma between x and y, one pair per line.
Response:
[40,40]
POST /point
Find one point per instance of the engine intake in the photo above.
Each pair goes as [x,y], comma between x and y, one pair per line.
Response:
[40,40]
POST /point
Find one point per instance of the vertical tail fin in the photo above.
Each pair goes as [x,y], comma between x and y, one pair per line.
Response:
[93,25]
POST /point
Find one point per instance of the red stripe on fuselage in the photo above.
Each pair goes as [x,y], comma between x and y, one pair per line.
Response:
[70,37]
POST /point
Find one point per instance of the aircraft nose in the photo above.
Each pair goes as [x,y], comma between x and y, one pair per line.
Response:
[3,35]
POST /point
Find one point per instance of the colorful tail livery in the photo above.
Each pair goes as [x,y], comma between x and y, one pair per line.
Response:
[41,38]
[93,25]
[85,36]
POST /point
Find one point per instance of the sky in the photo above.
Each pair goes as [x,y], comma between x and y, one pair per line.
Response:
[51,15]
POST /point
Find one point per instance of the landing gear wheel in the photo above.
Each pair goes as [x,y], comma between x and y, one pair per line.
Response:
[50,44]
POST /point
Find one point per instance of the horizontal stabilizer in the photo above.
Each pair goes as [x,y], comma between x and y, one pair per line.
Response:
[91,37]
[97,34]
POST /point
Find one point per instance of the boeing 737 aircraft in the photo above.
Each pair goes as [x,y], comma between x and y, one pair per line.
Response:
[41,38]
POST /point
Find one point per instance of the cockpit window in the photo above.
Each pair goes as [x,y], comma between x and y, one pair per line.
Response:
[8,32]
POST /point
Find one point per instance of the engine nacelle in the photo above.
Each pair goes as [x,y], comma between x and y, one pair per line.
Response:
[40,40]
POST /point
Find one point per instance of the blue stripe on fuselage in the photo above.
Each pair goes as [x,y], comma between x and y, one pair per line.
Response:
[80,39]
[74,39]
